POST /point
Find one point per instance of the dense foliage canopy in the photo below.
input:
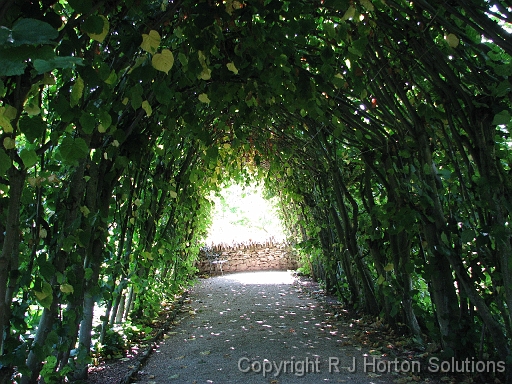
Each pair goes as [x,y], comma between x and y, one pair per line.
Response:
[382,126]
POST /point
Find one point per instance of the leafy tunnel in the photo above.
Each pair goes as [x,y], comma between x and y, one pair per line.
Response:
[382,126]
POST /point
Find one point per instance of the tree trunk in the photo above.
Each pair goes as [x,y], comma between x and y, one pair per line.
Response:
[10,250]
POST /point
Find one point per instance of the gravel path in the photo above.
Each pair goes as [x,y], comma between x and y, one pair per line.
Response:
[259,327]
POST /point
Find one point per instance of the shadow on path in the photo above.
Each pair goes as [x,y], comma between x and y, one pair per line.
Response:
[258,327]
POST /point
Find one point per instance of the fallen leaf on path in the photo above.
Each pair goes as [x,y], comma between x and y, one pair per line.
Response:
[205,352]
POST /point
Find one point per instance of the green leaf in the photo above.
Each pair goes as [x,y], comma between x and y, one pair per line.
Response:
[136,96]
[93,25]
[389,267]
[163,61]
[467,235]
[43,66]
[409,267]
[100,36]
[212,153]
[163,92]
[46,268]
[88,273]
[81,6]
[10,66]
[5,35]
[87,122]
[73,149]
[503,69]
[105,121]
[29,157]
[502,118]
[33,32]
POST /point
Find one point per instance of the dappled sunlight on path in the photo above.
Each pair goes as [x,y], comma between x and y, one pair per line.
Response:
[264,277]
[256,327]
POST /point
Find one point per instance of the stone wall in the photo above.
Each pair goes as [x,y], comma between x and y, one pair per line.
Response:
[250,257]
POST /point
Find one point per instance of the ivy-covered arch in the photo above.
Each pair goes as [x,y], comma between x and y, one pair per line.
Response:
[382,125]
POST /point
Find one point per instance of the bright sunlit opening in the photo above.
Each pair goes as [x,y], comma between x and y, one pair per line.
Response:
[243,215]
[262,277]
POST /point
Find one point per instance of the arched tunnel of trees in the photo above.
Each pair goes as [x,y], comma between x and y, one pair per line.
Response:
[381,125]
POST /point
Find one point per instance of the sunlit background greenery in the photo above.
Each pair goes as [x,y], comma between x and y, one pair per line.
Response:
[244,214]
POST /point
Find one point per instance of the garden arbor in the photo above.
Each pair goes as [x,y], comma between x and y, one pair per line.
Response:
[383,126]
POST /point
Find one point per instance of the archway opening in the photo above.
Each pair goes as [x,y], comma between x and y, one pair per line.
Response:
[245,214]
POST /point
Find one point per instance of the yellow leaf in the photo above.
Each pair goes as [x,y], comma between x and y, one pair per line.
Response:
[5,123]
[9,143]
[112,78]
[163,61]
[203,98]
[231,66]
[48,79]
[453,41]
[205,74]
[101,36]
[368,5]
[349,14]
[46,290]
[151,41]
[389,267]
[67,288]
[85,211]
[101,128]
[173,194]
[10,112]
[32,106]
[76,92]
[6,115]
[232,5]
[147,107]
[43,233]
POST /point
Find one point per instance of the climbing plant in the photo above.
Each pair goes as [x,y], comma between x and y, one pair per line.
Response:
[382,126]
